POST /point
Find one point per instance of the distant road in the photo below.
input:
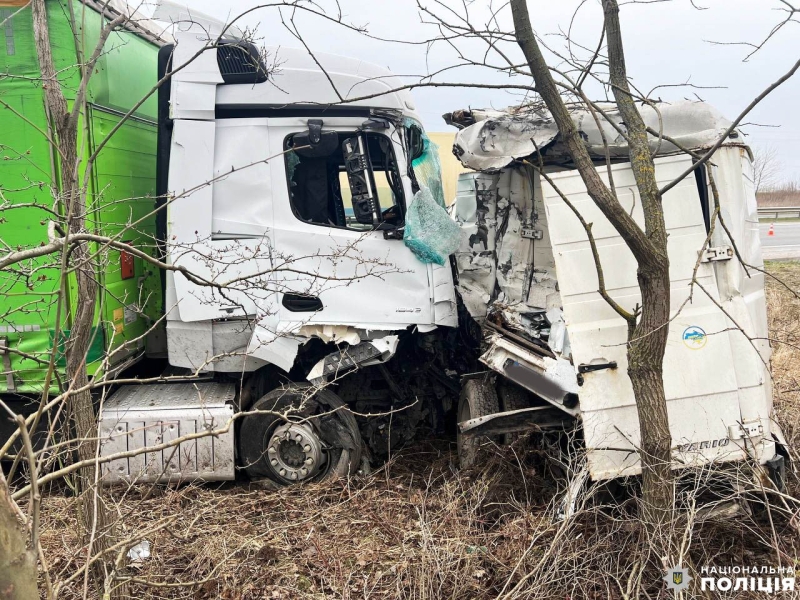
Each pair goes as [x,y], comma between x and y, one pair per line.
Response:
[784,244]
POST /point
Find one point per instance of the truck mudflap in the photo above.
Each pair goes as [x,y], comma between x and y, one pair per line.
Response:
[552,379]
[154,416]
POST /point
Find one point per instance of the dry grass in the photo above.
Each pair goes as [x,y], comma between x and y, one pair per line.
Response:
[418,528]
[784,327]
[785,195]
[413,529]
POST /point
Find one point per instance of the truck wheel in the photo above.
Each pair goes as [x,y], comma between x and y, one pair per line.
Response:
[478,399]
[307,436]
[512,397]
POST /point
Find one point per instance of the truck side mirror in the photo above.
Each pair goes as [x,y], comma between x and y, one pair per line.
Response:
[416,142]
[366,207]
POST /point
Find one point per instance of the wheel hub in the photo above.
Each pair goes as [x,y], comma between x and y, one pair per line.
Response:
[295,452]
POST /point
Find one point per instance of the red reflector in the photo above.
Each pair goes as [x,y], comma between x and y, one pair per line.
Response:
[126,268]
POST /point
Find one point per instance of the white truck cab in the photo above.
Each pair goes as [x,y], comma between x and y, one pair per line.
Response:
[262,204]
[283,213]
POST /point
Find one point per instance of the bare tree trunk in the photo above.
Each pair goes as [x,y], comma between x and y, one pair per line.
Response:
[648,339]
[647,330]
[17,561]
[65,126]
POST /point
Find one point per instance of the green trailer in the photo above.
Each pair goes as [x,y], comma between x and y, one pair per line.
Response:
[120,198]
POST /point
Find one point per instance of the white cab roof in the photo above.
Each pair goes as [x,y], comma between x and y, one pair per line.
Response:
[295,78]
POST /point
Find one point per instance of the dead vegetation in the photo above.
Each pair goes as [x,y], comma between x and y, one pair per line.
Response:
[787,194]
[418,528]
[784,327]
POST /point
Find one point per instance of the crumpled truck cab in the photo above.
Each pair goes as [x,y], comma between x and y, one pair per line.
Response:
[267,224]
[527,273]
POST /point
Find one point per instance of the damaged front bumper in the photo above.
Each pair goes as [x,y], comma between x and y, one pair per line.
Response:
[366,353]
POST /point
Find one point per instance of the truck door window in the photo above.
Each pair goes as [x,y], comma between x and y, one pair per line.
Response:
[319,190]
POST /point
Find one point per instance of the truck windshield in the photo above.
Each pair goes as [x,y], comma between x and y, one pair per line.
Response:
[320,193]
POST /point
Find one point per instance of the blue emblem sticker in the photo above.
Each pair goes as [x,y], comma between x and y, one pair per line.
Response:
[694,337]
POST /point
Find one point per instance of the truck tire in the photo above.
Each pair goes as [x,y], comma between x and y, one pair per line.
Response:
[307,436]
[512,397]
[478,399]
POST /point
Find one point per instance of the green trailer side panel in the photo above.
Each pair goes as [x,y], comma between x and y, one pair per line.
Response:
[125,180]
[125,72]
[121,186]
[27,307]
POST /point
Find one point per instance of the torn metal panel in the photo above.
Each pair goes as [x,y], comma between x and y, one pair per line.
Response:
[552,379]
[514,250]
[505,262]
[272,345]
[387,345]
[362,354]
[491,140]
[331,333]
[278,343]
[475,210]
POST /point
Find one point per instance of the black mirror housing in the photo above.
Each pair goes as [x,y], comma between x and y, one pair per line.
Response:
[416,142]
[304,144]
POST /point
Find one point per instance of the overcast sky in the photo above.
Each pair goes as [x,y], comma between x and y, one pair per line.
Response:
[665,43]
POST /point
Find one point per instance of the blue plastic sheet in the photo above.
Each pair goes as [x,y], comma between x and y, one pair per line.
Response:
[430,232]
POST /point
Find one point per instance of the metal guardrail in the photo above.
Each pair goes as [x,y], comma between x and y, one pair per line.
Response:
[779,212]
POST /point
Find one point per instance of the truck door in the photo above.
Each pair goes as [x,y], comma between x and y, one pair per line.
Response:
[341,258]
[703,388]
[220,217]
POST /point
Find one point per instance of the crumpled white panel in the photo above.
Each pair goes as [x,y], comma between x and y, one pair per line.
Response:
[496,139]
[271,344]
[194,86]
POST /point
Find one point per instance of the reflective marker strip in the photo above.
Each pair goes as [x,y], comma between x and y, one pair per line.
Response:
[18,328]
